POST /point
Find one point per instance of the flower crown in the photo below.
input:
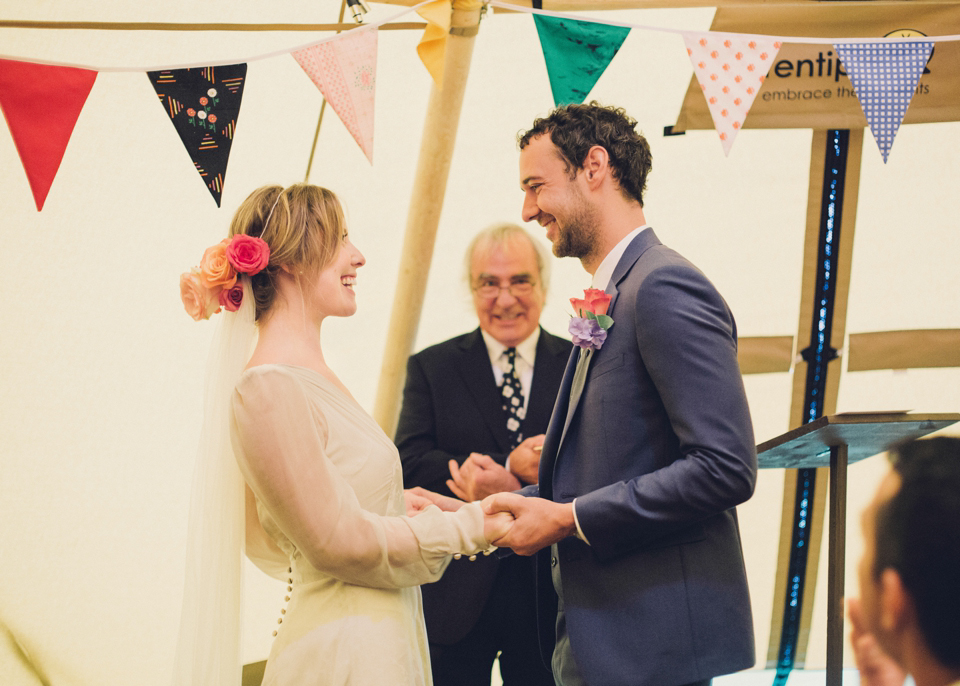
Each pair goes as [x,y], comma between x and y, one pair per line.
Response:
[212,286]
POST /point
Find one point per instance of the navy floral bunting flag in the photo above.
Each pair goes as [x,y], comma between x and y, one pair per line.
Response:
[204,103]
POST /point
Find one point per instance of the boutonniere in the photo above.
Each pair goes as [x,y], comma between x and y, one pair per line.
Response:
[590,324]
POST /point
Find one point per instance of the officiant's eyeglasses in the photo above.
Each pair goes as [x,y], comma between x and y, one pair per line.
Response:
[518,287]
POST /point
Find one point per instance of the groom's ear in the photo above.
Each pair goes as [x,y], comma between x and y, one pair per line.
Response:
[596,166]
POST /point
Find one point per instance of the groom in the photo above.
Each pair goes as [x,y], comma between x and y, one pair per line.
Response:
[650,447]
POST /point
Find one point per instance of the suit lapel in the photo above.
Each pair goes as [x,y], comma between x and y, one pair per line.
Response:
[551,442]
[640,244]
[552,355]
[562,418]
[477,376]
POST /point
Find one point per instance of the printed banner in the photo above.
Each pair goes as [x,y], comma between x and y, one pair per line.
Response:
[41,104]
[345,71]
[884,76]
[731,71]
[203,104]
[807,85]
[577,53]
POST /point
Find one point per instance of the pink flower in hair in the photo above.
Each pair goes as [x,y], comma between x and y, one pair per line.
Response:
[199,301]
[232,298]
[215,268]
[248,254]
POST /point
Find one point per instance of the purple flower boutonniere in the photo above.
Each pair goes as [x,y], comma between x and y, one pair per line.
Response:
[589,326]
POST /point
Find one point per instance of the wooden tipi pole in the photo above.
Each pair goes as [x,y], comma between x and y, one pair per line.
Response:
[423,218]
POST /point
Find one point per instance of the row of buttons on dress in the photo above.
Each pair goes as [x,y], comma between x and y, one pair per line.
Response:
[286,598]
[472,558]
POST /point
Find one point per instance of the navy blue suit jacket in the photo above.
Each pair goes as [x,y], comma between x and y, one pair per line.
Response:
[658,452]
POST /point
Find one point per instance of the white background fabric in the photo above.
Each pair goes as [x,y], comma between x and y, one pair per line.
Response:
[101,372]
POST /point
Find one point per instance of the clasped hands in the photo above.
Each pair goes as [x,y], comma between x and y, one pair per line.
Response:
[510,520]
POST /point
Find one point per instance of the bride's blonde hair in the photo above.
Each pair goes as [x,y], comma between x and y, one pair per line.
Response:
[303,226]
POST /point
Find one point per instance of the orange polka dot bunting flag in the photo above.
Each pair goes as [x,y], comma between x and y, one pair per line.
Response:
[345,71]
[203,103]
[884,77]
[731,69]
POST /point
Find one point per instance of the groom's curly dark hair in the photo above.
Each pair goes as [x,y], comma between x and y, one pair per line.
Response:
[574,129]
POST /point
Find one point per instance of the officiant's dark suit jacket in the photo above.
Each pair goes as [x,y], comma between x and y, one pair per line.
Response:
[658,452]
[452,407]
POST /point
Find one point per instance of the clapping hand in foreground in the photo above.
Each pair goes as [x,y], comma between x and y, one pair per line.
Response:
[875,666]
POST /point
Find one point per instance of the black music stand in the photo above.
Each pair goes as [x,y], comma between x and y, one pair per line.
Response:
[835,441]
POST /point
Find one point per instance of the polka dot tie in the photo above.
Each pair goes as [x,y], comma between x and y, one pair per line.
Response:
[511,393]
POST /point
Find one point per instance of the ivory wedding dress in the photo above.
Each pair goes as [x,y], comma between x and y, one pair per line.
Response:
[325,512]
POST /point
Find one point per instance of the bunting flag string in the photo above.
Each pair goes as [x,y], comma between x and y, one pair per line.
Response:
[730,70]
[576,53]
[41,104]
[884,77]
[203,104]
[811,40]
[42,100]
[345,71]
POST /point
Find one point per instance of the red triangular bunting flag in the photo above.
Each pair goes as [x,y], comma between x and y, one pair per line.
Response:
[41,104]
[345,71]
[730,70]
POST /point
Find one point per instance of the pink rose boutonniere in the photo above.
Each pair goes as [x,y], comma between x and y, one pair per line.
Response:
[214,285]
[590,324]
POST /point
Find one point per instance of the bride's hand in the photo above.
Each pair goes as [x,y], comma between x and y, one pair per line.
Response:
[496,526]
[415,502]
[444,502]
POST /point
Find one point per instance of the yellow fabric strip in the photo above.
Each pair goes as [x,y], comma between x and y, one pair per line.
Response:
[433,45]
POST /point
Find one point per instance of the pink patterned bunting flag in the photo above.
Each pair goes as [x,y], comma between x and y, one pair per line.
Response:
[345,71]
[731,70]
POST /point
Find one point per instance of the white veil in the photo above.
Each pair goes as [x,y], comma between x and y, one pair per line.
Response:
[208,647]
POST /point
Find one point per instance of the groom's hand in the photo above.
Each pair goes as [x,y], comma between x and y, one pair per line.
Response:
[539,522]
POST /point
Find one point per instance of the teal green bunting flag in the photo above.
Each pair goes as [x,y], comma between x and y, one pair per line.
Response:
[577,53]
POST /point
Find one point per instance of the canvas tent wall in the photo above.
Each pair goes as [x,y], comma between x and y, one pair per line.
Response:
[102,372]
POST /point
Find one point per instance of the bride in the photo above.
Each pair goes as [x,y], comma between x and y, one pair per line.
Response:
[317,500]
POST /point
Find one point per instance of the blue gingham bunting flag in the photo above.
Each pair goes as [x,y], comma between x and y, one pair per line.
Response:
[884,76]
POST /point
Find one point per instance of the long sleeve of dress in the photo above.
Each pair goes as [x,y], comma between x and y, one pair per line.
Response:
[281,439]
